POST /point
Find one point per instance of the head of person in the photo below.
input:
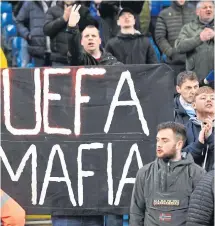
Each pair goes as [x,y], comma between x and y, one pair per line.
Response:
[205,11]
[68,3]
[180,2]
[90,39]
[204,102]
[187,85]
[126,19]
[171,137]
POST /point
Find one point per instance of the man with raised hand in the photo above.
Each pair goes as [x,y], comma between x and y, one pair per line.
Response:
[84,49]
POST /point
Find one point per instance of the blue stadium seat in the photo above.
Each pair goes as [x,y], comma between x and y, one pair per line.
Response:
[5,7]
[21,57]
[157,6]
[158,55]
[9,32]
[6,18]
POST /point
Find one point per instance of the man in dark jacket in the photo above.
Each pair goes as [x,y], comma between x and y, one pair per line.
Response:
[196,40]
[30,21]
[85,50]
[162,188]
[55,27]
[200,130]
[168,26]
[201,208]
[130,46]
[187,85]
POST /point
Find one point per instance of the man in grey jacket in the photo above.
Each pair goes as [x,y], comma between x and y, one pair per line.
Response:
[196,40]
[168,26]
[162,188]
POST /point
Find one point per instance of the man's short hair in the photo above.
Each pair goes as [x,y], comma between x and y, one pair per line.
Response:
[90,26]
[203,89]
[186,75]
[198,5]
[177,128]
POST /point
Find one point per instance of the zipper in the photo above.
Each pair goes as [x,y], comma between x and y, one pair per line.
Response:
[168,165]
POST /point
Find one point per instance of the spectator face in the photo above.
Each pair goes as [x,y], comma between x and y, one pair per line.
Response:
[167,144]
[204,103]
[188,90]
[206,11]
[181,2]
[69,2]
[90,39]
[126,20]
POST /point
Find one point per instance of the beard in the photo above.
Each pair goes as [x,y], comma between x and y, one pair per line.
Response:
[171,154]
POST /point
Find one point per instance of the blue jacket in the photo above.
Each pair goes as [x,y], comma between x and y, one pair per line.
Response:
[197,149]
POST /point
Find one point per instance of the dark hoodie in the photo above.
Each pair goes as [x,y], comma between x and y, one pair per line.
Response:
[196,148]
[162,190]
[132,49]
[180,115]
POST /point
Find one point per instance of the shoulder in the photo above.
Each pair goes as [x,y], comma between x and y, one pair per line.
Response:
[113,41]
[165,12]
[196,171]
[146,170]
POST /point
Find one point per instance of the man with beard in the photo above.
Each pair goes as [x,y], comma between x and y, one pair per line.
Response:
[200,129]
[163,187]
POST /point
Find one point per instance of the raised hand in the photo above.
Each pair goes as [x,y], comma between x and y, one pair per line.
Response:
[74,16]
[67,11]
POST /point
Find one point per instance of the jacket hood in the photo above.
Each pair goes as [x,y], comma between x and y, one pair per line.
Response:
[187,159]
[178,107]
[130,36]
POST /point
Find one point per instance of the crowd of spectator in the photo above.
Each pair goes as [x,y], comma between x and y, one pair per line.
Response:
[180,34]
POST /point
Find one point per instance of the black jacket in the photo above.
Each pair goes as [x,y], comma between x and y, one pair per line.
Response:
[158,183]
[168,26]
[201,208]
[132,49]
[78,56]
[180,115]
[55,27]
[197,149]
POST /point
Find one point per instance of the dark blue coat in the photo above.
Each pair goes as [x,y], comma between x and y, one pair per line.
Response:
[197,149]
[30,21]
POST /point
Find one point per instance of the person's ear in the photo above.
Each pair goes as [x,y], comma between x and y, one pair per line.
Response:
[194,105]
[179,145]
[178,89]
[118,23]
[197,12]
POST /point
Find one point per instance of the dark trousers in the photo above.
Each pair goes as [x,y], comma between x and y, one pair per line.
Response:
[78,221]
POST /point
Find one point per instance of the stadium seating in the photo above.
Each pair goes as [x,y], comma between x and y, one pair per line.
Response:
[5,7]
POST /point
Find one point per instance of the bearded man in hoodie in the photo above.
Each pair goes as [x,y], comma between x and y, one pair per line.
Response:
[200,129]
[163,187]
[130,46]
